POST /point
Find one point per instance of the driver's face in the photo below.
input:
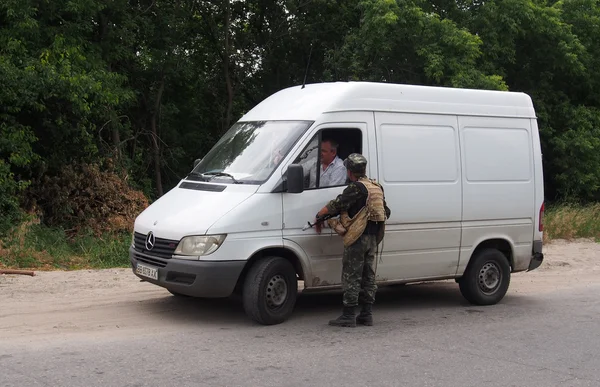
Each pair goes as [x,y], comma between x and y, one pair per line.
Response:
[277,156]
[327,153]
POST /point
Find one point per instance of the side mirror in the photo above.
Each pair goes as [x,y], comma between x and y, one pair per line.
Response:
[295,178]
[196,162]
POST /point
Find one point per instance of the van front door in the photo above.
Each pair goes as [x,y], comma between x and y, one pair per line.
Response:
[331,142]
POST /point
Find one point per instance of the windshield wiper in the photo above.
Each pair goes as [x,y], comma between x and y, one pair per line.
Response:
[215,174]
[197,175]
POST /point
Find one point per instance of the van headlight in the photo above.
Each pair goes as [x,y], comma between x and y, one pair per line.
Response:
[199,245]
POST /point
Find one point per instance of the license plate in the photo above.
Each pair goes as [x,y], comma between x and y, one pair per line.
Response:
[146,271]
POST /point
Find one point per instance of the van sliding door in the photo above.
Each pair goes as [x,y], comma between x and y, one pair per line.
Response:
[419,167]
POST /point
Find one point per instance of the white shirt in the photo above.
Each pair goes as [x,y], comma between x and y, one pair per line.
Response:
[333,175]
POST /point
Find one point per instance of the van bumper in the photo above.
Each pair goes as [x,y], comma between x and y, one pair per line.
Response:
[537,257]
[208,279]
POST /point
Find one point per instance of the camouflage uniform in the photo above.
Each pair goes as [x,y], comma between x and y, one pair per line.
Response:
[358,271]
[358,263]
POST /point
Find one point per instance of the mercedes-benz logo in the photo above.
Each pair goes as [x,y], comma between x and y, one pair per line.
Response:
[150,241]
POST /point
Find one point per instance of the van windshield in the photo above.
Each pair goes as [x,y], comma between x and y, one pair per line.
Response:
[249,152]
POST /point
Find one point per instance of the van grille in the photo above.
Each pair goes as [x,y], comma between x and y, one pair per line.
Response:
[150,260]
[163,248]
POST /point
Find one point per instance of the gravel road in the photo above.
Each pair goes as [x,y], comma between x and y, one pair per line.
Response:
[105,327]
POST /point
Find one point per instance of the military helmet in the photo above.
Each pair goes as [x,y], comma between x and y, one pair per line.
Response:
[356,163]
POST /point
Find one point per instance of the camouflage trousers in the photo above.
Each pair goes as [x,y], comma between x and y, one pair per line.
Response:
[358,271]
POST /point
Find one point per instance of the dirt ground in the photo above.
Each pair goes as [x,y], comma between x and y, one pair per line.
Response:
[109,302]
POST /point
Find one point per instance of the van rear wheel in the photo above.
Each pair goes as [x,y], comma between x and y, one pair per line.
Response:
[486,280]
[270,291]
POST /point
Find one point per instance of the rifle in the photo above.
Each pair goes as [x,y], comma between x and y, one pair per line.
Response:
[320,219]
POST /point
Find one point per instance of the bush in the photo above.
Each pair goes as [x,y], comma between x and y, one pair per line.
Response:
[83,199]
[570,221]
[9,205]
[31,245]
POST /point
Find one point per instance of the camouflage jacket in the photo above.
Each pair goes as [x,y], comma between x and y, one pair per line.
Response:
[352,199]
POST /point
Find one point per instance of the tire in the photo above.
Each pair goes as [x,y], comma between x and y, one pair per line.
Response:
[486,280]
[270,291]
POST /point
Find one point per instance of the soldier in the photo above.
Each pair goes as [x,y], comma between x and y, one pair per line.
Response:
[363,211]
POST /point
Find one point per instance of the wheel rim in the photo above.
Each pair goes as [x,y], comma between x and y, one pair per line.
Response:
[276,292]
[489,278]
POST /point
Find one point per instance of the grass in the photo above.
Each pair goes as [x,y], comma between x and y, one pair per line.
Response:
[570,222]
[34,246]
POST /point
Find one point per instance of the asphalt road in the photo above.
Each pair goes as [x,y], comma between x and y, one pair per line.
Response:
[424,335]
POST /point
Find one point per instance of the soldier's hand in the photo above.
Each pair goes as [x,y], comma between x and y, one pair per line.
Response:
[318,225]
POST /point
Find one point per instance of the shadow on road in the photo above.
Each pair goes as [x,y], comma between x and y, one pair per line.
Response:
[438,298]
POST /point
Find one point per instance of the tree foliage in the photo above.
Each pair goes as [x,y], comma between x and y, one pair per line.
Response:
[141,88]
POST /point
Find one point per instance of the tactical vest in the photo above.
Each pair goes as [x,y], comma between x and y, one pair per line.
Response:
[352,228]
[374,205]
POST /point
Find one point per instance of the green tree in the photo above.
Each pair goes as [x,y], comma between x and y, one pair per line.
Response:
[532,47]
[397,41]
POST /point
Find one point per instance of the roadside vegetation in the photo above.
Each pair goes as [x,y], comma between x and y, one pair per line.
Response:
[39,247]
[82,218]
[105,105]
[568,221]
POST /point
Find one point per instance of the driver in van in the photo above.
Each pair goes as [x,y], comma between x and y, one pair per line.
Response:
[363,204]
[332,170]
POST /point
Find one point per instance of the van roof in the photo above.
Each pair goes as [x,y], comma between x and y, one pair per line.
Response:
[308,103]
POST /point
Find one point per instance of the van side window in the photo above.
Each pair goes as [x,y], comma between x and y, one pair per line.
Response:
[328,149]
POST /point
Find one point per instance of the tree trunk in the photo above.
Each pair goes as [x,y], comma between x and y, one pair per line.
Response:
[155,137]
[104,26]
[116,139]
[226,60]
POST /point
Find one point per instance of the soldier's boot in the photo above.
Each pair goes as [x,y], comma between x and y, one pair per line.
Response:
[347,319]
[366,315]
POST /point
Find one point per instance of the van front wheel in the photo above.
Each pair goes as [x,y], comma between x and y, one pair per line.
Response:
[486,280]
[270,290]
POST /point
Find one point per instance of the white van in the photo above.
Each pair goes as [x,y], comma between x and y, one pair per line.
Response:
[461,170]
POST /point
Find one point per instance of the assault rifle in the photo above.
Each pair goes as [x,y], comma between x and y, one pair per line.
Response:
[320,219]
